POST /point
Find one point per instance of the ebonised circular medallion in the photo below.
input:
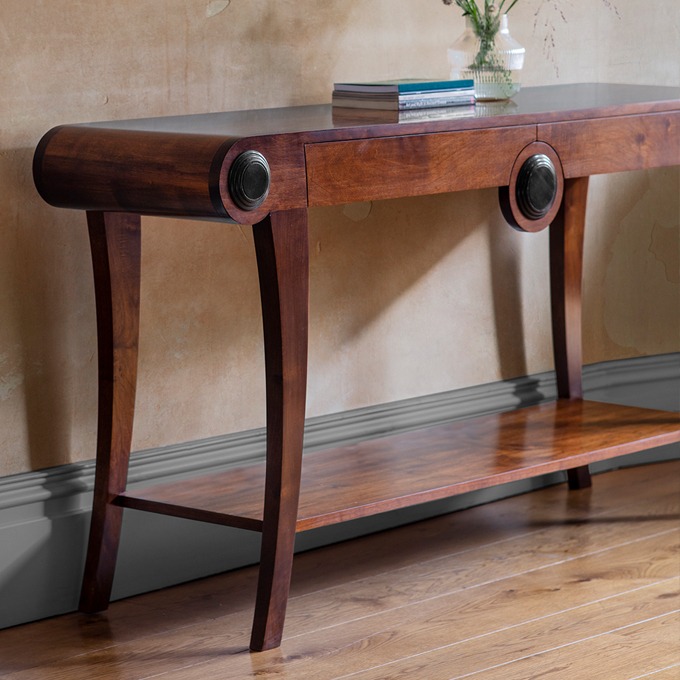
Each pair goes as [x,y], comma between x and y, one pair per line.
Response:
[536,186]
[249,179]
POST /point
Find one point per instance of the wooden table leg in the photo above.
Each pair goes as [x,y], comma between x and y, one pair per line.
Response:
[281,246]
[115,241]
[566,271]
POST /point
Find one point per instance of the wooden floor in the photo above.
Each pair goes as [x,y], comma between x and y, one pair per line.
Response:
[554,584]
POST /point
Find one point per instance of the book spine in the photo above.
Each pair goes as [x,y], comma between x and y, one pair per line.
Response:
[408,88]
[434,102]
[448,94]
[404,88]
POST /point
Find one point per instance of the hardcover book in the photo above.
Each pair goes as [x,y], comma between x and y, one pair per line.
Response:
[397,87]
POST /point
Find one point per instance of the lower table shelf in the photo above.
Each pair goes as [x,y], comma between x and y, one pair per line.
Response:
[422,465]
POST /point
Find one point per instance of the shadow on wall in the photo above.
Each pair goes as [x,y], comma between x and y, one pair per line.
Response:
[40,573]
[191,334]
[47,304]
[448,263]
[506,262]
[47,263]
[215,56]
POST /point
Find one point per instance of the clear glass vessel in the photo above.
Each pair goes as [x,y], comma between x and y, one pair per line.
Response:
[494,63]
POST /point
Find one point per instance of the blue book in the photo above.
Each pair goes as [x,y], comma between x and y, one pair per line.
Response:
[397,87]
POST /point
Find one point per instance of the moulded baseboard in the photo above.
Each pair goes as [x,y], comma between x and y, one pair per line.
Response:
[44,515]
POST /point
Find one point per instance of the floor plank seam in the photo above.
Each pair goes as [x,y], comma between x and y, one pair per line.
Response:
[433,560]
[613,606]
[188,626]
[591,519]
[481,584]
[567,644]
[519,625]
[151,636]
[386,611]
[175,670]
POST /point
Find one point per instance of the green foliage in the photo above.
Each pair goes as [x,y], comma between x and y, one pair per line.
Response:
[486,21]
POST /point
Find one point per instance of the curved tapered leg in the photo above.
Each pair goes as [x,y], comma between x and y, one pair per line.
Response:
[566,270]
[115,241]
[281,246]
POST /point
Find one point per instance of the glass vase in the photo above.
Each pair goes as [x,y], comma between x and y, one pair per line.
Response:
[494,62]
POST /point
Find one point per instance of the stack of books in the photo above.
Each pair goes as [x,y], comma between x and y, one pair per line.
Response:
[404,95]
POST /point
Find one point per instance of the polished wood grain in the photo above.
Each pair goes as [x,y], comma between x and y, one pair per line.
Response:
[424,465]
[574,572]
[412,165]
[177,165]
[566,275]
[288,190]
[654,643]
[281,246]
[181,166]
[115,241]
[147,172]
[592,147]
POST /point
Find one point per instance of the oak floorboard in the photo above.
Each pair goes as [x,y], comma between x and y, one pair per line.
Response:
[209,620]
[219,648]
[533,636]
[348,649]
[339,564]
[670,673]
[448,536]
[448,578]
[618,655]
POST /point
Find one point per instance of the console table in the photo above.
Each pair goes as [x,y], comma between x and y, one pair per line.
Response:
[266,168]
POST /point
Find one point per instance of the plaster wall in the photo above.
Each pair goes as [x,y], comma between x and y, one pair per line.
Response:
[408,297]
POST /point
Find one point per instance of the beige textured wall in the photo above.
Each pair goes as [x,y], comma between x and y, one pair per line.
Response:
[408,297]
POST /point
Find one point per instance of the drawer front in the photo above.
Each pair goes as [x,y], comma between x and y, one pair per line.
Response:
[604,145]
[412,165]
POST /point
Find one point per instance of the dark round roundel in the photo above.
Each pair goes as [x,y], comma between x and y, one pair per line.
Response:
[536,186]
[249,179]
[533,196]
